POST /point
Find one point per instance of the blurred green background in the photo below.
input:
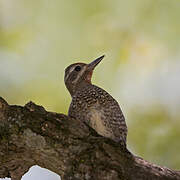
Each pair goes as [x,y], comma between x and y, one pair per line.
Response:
[141,41]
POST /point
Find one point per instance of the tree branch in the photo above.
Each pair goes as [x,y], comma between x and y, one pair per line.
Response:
[30,136]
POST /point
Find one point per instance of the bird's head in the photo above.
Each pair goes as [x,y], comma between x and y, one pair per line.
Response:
[79,73]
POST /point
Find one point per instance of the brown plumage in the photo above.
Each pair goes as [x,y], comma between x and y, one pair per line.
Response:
[93,105]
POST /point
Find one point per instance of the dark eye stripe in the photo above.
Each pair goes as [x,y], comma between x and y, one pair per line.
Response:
[77,68]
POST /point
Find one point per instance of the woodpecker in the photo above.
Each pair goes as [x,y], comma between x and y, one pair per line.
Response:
[93,105]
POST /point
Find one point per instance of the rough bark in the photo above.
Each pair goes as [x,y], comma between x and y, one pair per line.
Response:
[30,136]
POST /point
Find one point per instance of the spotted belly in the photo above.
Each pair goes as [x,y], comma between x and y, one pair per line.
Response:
[98,122]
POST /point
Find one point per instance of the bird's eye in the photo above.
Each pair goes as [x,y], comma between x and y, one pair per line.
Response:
[77,68]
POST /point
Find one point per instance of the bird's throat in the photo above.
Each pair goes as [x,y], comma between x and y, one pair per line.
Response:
[89,76]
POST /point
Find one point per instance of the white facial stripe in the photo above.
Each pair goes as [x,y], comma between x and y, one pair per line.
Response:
[71,69]
[80,74]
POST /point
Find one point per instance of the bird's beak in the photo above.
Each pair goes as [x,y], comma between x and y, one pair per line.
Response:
[94,63]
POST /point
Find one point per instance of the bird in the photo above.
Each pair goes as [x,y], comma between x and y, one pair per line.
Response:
[92,104]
